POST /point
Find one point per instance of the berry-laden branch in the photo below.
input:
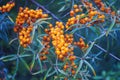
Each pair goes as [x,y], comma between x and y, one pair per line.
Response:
[47,11]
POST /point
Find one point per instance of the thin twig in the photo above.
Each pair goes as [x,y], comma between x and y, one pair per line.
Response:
[103,49]
[65,15]
[47,11]
[50,3]
[106,51]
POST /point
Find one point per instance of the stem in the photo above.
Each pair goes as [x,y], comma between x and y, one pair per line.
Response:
[47,11]
[102,49]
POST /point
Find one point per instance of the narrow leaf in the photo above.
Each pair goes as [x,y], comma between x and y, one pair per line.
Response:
[61,9]
[25,64]
[79,67]
[89,49]
[33,62]
[111,26]
[47,73]
[89,65]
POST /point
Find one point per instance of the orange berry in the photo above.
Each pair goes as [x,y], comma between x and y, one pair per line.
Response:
[0,8]
[102,8]
[65,67]
[24,45]
[65,78]
[41,57]
[75,66]
[44,57]
[72,13]
[44,15]
[15,30]
[60,57]
[73,72]
[72,58]
[76,10]
[20,37]
[57,52]
[75,6]
[113,13]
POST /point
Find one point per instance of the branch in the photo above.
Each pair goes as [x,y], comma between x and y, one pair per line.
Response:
[106,51]
[47,11]
[102,49]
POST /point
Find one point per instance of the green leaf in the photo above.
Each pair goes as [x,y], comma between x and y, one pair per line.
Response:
[5,57]
[38,72]
[62,72]
[90,67]
[40,64]
[50,74]
[23,61]
[12,40]
[33,32]
[61,9]
[73,26]
[32,63]
[89,49]
[47,73]
[13,57]
[95,30]
[111,26]
[79,67]
[25,55]
[17,64]
[39,21]
[76,29]
[100,36]
[98,77]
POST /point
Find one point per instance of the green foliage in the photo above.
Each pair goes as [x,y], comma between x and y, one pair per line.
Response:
[5,26]
[101,61]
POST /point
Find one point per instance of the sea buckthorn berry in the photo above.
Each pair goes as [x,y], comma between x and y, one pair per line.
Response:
[77,10]
[102,7]
[7,7]
[65,78]
[60,57]
[29,16]
[58,52]
[24,37]
[75,6]
[72,13]
[0,8]
[65,67]
[75,66]
[44,57]
[113,13]
[81,44]
[50,25]
[72,58]
[73,72]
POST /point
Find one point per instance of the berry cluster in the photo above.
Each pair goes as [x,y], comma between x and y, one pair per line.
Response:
[24,36]
[81,44]
[83,18]
[92,12]
[75,10]
[7,7]
[70,67]
[61,43]
[58,40]
[28,16]
[44,52]
[102,7]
